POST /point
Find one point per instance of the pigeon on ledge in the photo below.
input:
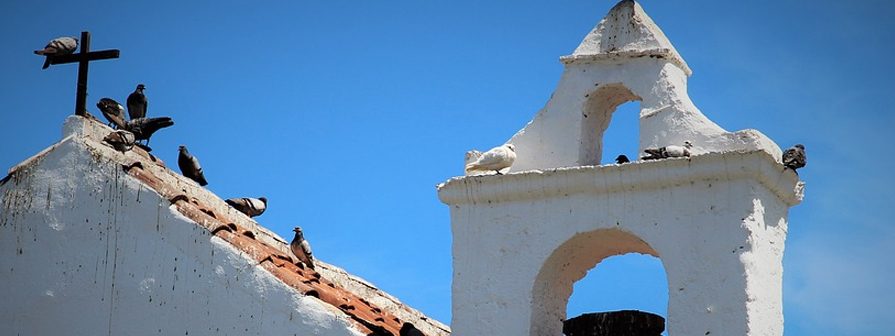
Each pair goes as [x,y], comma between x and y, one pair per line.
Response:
[137,103]
[57,47]
[189,166]
[669,151]
[251,207]
[408,329]
[301,248]
[496,159]
[143,128]
[113,111]
[794,157]
[622,159]
[121,140]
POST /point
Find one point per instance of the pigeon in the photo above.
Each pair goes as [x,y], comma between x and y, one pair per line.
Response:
[669,151]
[252,207]
[143,128]
[408,329]
[137,103]
[113,111]
[794,157]
[57,47]
[621,159]
[496,159]
[121,140]
[189,166]
[301,248]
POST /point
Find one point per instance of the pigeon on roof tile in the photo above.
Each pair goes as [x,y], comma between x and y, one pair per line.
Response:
[143,128]
[137,103]
[794,157]
[189,166]
[408,329]
[301,248]
[113,111]
[251,207]
[57,47]
[496,159]
[622,159]
[121,140]
[669,151]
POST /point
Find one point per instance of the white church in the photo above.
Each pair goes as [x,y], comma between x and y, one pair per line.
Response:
[96,241]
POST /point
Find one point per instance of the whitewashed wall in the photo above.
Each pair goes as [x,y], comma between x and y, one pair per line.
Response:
[87,250]
[717,222]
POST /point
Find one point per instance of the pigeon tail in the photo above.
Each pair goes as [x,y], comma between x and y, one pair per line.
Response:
[46,63]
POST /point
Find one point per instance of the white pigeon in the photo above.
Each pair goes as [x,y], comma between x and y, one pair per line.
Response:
[669,151]
[496,159]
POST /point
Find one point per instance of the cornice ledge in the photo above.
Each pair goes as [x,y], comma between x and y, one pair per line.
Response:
[612,178]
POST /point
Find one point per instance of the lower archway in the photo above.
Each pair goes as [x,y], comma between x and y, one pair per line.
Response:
[570,263]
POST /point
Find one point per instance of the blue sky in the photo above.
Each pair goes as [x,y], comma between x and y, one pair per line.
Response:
[345,114]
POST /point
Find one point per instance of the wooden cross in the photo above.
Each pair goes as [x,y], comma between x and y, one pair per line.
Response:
[83,58]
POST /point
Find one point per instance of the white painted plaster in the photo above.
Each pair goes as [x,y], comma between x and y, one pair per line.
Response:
[625,58]
[717,222]
[85,249]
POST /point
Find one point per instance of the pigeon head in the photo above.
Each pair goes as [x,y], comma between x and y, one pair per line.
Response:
[512,147]
[297,229]
[800,146]
[688,144]
[263,199]
[141,87]
[182,148]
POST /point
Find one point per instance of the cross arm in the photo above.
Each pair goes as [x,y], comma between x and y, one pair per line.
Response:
[91,56]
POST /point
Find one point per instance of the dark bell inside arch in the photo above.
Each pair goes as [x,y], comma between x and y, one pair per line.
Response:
[615,323]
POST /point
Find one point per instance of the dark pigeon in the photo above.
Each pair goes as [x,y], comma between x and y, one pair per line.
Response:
[143,128]
[669,151]
[252,207]
[794,157]
[189,167]
[301,248]
[113,111]
[622,159]
[137,103]
[121,140]
[57,47]
[408,329]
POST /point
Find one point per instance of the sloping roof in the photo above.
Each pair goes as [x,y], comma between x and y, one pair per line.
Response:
[373,311]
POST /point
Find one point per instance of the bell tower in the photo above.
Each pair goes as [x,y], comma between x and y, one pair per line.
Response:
[717,220]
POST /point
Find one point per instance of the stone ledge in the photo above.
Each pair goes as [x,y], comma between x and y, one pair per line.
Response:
[612,178]
[658,53]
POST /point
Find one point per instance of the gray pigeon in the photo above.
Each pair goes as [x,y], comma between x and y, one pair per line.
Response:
[189,166]
[669,151]
[408,329]
[57,47]
[143,128]
[622,159]
[121,140]
[252,207]
[301,248]
[794,157]
[137,103]
[113,111]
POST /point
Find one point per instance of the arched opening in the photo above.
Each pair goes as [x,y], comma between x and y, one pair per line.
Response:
[600,106]
[630,281]
[570,263]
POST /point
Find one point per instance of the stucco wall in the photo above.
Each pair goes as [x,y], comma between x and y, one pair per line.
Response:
[87,250]
[717,222]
